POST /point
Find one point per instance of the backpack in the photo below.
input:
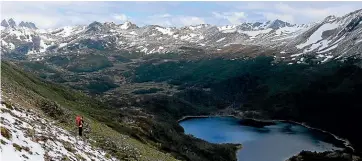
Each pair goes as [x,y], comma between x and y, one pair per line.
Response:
[77,120]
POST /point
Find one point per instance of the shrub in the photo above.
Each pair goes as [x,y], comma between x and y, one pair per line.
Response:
[7,105]
[53,110]
[6,133]
[17,147]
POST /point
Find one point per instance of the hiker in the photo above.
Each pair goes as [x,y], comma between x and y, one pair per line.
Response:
[79,120]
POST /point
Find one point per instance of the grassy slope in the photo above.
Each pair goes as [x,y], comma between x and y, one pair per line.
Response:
[26,89]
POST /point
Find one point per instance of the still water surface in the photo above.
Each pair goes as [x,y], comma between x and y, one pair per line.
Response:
[270,143]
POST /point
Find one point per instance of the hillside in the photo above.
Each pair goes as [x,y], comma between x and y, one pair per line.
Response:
[61,105]
[115,136]
[133,83]
[28,136]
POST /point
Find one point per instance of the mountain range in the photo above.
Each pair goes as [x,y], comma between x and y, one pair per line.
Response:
[331,38]
[134,83]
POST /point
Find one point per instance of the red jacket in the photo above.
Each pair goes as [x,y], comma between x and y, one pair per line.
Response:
[78,121]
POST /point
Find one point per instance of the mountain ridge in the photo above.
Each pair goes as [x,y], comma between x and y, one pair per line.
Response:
[324,40]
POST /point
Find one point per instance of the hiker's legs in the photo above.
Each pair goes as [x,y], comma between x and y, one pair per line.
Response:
[80,131]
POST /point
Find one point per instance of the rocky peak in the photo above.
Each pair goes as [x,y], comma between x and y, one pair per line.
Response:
[32,25]
[330,18]
[94,27]
[128,25]
[27,25]
[4,23]
[256,24]
[276,24]
[11,23]
[22,24]
[248,26]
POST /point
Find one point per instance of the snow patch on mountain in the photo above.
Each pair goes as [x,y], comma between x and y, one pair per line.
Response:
[10,45]
[328,49]
[227,28]
[288,30]
[195,27]
[253,34]
[30,137]
[327,58]
[126,25]
[43,46]
[67,31]
[62,45]
[221,39]
[133,33]
[317,35]
[165,31]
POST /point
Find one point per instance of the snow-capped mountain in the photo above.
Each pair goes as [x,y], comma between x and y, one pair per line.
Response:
[12,23]
[333,37]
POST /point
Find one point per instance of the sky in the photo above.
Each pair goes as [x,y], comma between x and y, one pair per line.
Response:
[177,14]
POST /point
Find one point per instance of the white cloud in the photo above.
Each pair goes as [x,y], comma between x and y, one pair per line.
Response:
[232,17]
[187,20]
[56,14]
[163,15]
[121,17]
[174,20]
[295,12]
[308,14]
[255,6]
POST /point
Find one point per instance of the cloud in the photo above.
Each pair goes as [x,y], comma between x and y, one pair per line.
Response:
[187,20]
[162,15]
[121,17]
[57,14]
[256,6]
[305,14]
[232,17]
[174,20]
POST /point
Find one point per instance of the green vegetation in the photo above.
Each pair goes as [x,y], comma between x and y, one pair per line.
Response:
[52,109]
[30,133]
[65,158]
[3,142]
[204,72]
[88,63]
[68,146]
[59,60]
[107,156]
[121,58]
[7,105]
[299,92]
[271,90]
[45,95]
[100,85]
[79,157]
[39,67]
[6,133]
[147,91]
[17,147]
[150,139]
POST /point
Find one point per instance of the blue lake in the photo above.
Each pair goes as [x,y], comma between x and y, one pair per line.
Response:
[270,143]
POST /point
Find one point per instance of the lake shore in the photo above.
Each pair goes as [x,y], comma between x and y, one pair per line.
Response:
[346,143]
